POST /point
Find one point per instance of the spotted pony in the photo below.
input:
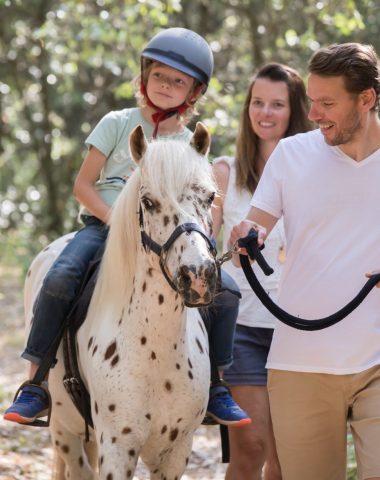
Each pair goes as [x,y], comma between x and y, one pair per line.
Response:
[142,354]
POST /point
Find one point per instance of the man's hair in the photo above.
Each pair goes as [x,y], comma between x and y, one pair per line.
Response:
[358,64]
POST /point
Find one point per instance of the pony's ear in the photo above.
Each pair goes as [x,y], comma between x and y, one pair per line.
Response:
[137,143]
[201,139]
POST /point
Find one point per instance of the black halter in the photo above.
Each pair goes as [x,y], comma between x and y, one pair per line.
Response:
[162,251]
[250,244]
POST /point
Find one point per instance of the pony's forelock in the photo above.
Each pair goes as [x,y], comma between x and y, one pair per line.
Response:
[170,167]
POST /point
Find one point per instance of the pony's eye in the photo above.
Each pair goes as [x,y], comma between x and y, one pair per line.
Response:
[211,198]
[147,202]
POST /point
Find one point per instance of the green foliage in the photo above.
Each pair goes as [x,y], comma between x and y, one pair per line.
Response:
[64,64]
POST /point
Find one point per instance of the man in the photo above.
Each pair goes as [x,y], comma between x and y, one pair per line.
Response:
[326,184]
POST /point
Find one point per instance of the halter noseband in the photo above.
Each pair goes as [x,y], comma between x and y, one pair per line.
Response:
[162,251]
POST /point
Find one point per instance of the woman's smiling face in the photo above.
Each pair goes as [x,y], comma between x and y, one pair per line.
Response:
[269,110]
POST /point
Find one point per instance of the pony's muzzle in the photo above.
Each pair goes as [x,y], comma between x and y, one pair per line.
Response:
[197,286]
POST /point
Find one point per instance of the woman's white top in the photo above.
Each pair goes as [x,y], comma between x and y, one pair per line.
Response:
[236,206]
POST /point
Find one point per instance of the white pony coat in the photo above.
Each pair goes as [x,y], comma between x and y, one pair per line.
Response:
[144,361]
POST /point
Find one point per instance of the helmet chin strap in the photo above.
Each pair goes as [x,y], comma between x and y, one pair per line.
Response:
[161,114]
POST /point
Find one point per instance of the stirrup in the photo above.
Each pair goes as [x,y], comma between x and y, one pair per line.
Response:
[207,420]
[37,422]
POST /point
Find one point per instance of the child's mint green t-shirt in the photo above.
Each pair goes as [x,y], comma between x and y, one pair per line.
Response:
[110,136]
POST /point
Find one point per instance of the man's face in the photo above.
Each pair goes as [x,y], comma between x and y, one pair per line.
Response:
[335,110]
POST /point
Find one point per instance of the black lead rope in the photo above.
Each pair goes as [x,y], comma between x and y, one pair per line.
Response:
[250,244]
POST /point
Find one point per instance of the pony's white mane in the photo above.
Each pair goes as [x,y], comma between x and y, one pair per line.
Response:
[167,170]
[118,264]
[171,167]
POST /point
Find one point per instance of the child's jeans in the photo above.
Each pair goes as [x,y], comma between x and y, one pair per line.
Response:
[220,320]
[61,286]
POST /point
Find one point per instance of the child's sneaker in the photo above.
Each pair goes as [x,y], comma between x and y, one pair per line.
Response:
[31,403]
[224,410]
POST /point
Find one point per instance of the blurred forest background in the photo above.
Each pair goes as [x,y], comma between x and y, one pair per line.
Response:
[64,64]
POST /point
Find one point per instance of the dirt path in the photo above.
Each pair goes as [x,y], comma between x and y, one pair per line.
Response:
[25,452]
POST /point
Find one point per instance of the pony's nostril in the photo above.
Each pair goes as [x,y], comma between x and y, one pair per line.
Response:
[184,276]
[211,275]
[210,272]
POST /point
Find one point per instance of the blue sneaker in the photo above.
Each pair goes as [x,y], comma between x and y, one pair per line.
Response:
[224,410]
[30,404]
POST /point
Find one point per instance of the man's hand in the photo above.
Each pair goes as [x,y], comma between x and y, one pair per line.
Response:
[370,274]
[241,230]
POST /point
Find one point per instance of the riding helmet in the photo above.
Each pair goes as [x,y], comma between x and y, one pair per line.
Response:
[183,50]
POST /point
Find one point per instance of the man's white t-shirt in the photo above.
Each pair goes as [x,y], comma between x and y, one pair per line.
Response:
[331,209]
